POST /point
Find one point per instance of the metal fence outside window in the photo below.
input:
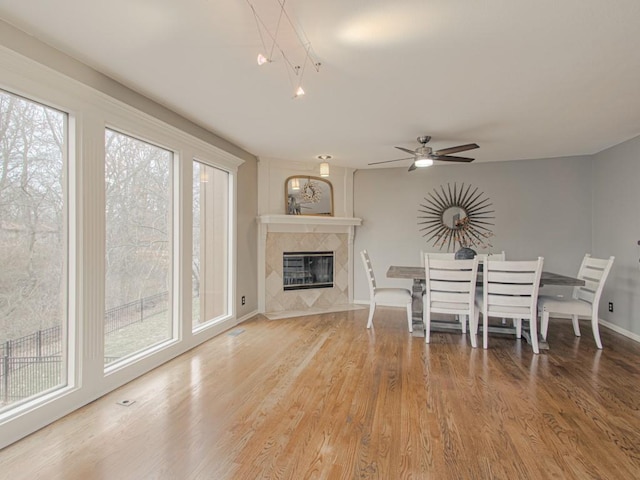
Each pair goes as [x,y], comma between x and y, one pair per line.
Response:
[33,363]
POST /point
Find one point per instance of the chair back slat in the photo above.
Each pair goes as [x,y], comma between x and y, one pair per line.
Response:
[594,272]
[436,255]
[366,261]
[597,263]
[510,277]
[590,286]
[449,297]
[591,273]
[586,295]
[444,286]
[508,300]
[450,275]
[511,288]
[513,265]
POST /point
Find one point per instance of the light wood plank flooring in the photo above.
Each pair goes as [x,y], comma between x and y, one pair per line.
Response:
[321,397]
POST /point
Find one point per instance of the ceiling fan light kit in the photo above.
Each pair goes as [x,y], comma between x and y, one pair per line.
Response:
[424,156]
[423,161]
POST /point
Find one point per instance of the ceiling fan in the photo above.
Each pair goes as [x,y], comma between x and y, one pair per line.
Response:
[424,156]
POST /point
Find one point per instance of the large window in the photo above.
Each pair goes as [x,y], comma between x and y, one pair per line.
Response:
[95,287]
[33,249]
[210,263]
[138,196]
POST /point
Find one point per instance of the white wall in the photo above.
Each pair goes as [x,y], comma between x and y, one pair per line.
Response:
[542,207]
[272,174]
[616,230]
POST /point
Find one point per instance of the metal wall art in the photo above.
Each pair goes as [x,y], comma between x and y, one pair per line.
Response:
[456,217]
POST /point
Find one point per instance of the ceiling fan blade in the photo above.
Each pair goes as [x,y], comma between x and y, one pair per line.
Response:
[412,152]
[412,167]
[389,161]
[450,158]
[459,148]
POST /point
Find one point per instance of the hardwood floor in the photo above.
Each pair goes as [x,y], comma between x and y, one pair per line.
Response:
[322,397]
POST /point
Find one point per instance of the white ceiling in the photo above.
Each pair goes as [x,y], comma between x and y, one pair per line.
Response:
[534,79]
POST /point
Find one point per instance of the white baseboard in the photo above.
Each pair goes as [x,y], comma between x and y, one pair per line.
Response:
[620,330]
[246,317]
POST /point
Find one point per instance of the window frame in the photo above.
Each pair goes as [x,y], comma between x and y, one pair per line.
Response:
[68,327]
[230,294]
[89,112]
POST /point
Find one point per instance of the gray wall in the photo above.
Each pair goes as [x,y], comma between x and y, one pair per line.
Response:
[616,230]
[542,208]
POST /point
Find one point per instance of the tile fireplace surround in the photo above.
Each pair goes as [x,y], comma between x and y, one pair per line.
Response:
[280,233]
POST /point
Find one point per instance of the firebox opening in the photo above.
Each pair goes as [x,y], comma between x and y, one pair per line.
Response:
[307,270]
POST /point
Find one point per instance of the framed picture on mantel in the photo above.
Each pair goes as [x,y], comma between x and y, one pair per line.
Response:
[305,195]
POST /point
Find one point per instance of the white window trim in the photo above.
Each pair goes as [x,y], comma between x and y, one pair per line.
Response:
[89,113]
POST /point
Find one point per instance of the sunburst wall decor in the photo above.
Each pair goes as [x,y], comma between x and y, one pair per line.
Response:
[456,216]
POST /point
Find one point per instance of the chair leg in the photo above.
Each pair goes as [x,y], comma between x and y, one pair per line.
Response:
[463,320]
[426,319]
[518,325]
[533,330]
[477,322]
[473,328]
[485,331]
[596,329]
[576,325]
[544,324]
[372,308]
[410,317]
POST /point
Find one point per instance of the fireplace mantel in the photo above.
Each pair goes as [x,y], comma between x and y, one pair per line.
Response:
[309,220]
[311,226]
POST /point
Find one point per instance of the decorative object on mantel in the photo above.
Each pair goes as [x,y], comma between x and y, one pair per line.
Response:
[314,196]
[457,216]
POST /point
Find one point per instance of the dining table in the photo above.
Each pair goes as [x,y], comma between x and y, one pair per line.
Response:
[417,274]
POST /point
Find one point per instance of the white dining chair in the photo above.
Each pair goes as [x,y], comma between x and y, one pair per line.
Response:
[585,299]
[438,255]
[510,290]
[450,287]
[399,297]
[483,257]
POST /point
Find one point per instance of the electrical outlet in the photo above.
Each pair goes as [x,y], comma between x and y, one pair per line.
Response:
[244,300]
[611,306]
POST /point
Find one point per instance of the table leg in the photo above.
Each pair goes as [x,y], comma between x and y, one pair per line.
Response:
[416,306]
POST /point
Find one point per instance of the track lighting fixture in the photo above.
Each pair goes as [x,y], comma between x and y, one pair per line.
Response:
[295,65]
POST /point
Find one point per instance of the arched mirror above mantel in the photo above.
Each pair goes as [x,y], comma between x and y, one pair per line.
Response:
[307,195]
